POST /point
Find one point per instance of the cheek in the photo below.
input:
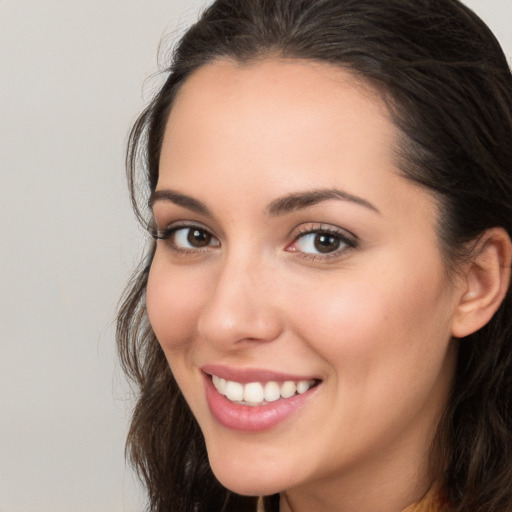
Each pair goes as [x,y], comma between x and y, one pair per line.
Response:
[387,351]
[376,325]
[173,299]
[172,305]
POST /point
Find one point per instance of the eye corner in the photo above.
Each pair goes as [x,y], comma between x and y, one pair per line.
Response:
[154,232]
[157,235]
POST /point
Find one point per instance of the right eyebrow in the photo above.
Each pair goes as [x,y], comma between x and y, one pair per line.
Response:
[172,196]
[301,200]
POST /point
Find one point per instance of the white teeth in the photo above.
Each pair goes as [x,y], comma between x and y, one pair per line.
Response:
[253,392]
[272,392]
[288,389]
[219,383]
[221,386]
[234,391]
[303,386]
[256,393]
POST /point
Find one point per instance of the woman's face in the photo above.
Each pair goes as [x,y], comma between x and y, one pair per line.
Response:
[295,260]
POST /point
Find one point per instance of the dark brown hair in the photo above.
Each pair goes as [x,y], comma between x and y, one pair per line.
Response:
[449,90]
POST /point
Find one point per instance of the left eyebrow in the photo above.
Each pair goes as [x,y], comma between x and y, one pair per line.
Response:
[172,196]
[300,200]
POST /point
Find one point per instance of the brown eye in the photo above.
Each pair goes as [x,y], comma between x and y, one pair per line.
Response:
[326,242]
[198,237]
[320,242]
[192,237]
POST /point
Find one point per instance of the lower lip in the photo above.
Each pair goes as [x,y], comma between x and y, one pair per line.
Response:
[248,418]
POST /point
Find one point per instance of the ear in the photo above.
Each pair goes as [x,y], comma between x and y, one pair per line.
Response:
[486,279]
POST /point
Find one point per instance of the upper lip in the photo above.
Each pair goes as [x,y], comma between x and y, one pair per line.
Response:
[246,375]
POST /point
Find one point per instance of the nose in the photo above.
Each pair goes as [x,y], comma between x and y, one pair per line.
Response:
[240,308]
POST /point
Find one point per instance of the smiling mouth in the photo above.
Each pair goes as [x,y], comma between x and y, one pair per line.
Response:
[260,393]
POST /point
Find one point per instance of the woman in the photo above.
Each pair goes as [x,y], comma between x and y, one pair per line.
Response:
[324,317]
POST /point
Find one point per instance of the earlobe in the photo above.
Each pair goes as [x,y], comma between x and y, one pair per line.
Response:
[486,280]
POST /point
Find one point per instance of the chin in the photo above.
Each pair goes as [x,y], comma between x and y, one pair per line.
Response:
[248,482]
[245,488]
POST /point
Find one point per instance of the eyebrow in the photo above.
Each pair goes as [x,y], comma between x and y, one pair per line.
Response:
[179,199]
[281,206]
[301,200]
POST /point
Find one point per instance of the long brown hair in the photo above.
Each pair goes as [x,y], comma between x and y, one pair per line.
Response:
[449,89]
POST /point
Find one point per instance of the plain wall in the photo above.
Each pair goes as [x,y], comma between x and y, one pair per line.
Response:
[72,79]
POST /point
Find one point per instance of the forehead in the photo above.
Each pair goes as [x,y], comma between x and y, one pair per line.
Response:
[296,85]
[289,109]
[267,129]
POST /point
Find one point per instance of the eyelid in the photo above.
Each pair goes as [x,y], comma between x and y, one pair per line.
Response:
[322,227]
[170,241]
[163,234]
[348,239]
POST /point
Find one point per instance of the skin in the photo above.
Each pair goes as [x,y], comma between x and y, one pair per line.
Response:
[372,322]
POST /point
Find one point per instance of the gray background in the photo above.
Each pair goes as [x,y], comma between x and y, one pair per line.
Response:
[73,75]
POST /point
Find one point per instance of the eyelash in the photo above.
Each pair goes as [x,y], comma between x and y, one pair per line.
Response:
[347,242]
[168,233]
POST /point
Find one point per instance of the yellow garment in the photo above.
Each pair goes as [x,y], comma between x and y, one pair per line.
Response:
[433,501]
